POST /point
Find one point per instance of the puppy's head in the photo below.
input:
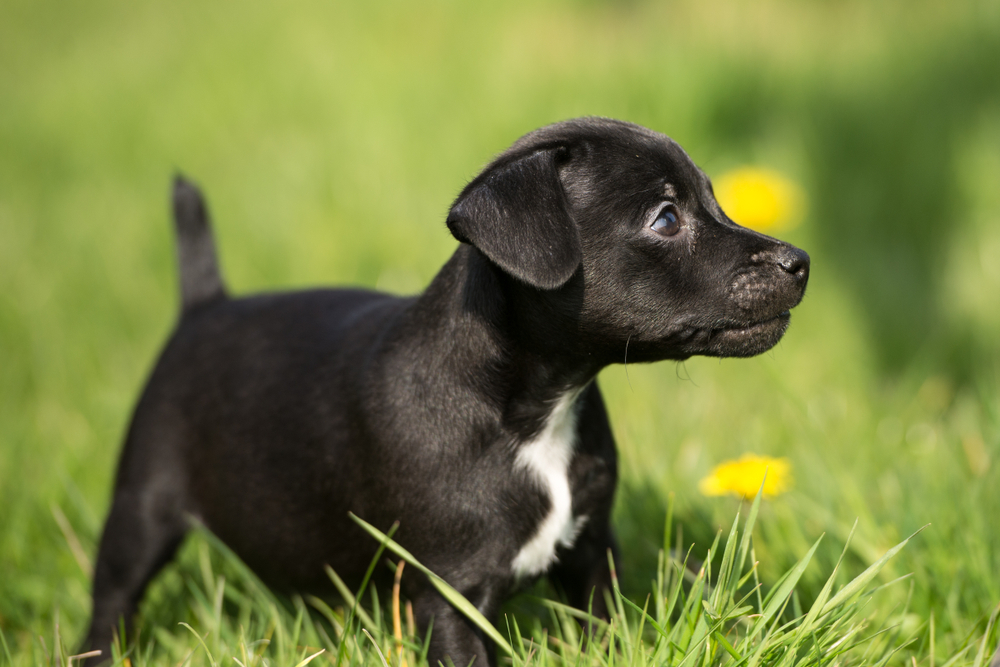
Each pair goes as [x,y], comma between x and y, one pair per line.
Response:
[620,216]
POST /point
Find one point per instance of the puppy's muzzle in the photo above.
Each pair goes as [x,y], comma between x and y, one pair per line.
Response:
[773,284]
[795,263]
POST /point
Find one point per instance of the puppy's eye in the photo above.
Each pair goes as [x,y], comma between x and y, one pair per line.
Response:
[667,223]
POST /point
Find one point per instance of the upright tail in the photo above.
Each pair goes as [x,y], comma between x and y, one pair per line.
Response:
[198,266]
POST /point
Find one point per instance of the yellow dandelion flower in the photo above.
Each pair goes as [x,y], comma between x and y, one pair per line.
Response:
[743,477]
[760,199]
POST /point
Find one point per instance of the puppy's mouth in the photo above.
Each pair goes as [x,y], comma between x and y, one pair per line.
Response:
[747,340]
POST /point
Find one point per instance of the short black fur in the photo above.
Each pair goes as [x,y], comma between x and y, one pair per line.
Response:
[269,418]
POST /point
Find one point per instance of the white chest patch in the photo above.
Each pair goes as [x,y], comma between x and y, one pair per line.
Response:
[547,459]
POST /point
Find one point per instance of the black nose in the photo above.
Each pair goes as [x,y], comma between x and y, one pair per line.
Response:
[794,261]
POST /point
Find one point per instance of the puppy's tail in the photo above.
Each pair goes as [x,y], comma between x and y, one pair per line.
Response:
[198,266]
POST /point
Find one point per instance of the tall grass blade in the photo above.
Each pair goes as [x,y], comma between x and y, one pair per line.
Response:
[722,586]
[455,598]
[377,649]
[748,533]
[321,651]
[779,597]
[201,640]
[6,649]
[619,609]
[981,655]
[342,652]
[815,611]
[652,621]
[345,593]
[857,585]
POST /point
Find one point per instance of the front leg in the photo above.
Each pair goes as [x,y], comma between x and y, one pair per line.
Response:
[582,570]
[583,573]
[455,640]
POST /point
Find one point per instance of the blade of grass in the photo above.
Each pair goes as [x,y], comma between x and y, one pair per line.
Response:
[856,586]
[748,532]
[315,655]
[568,610]
[201,641]
[620,609]
[722,587]
[981,654]
[375,644]
[6,649]
[455,598]
[384,540]
[638,633]
[726,645]
[643,614]
[781,594]
[349,599]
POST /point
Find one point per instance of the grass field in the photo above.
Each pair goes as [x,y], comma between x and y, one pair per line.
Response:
[331,138]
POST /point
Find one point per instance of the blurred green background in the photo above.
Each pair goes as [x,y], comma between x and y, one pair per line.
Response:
[331,138]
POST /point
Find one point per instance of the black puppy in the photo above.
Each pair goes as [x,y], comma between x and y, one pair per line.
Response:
[469,413]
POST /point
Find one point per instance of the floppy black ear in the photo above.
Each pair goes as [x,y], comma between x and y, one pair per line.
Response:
[515,213]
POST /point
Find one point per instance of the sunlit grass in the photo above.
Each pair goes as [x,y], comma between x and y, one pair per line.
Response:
[330,139]
[718,613]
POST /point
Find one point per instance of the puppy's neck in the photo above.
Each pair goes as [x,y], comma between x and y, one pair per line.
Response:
[515,344]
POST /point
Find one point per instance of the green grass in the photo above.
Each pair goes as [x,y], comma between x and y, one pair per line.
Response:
[725,617]
[330,139]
